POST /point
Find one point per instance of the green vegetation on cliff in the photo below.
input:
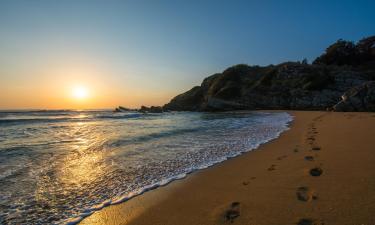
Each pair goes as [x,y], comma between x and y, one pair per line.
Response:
[290,85]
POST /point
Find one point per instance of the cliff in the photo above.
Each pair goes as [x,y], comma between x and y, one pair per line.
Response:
[291,85]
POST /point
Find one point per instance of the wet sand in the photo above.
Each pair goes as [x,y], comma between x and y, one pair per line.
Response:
[321,171]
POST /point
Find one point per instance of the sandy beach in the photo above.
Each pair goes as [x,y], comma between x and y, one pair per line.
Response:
[321,171]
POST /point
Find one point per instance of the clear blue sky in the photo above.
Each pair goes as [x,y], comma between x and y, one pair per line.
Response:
[164,47]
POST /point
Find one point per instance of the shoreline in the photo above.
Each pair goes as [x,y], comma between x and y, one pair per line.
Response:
[167,181]
[269,185]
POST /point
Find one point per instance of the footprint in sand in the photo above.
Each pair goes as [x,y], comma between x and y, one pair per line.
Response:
[233,212]
[305,194]
[248,182]
[282,157]
[309,158]
[308,221]
[316,172]
[316,148]
[272,167]
[311,139]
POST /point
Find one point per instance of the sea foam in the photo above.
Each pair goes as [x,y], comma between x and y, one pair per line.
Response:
[74,168]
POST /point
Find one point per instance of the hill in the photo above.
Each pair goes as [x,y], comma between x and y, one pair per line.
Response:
[342,79]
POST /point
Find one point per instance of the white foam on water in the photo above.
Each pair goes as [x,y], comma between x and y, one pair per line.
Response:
[76,167]
[165,181]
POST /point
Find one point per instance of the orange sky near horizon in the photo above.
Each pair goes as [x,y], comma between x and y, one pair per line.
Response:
[52,87]
[53,97]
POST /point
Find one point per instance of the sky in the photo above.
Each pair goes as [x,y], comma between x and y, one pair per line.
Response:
[135,53]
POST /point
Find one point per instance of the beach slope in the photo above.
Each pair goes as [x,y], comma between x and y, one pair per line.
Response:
[321,171]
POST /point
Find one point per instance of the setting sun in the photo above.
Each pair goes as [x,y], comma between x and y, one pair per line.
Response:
[80,92]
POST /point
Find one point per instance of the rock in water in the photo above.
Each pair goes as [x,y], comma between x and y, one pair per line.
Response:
[152,109]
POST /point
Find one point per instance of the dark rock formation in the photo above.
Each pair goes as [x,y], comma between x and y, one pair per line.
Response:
[359,98]
[122,109]
[152,109]
[290,85]
[143,109]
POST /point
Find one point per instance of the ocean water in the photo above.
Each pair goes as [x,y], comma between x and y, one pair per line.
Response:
[57,167]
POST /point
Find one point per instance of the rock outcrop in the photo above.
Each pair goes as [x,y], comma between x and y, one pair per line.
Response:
[359,98]
[122,109]
[143,109]
[291,85]
[152,109]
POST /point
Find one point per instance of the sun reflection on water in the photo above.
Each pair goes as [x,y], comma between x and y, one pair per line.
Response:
[81,169]
[76,172]
[84,163]
[70,163]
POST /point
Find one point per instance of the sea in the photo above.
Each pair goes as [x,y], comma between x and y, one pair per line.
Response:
[59,166]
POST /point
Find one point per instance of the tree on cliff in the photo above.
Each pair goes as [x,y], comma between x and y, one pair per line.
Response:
[340,53]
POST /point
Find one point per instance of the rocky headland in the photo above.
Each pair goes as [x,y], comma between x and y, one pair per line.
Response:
[341,79]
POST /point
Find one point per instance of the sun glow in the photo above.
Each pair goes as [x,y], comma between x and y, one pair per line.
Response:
[80,92]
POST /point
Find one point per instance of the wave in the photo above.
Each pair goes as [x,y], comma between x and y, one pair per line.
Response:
[120,116]
[148,137]
[35,120]
[136,153]
[64,117]
[165,181]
